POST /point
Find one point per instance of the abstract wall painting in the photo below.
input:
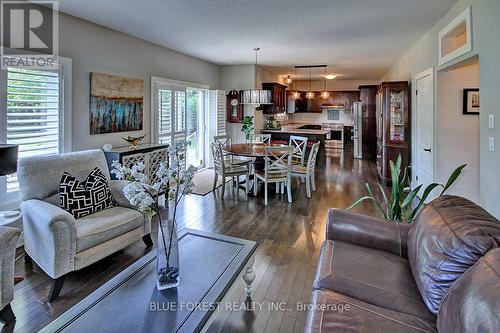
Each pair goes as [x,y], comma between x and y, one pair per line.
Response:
[116,103]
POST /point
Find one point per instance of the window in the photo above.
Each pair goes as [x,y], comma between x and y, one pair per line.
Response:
[34,117]
[32,114]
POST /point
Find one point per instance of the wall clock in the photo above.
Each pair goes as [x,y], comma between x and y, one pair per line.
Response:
[234,108]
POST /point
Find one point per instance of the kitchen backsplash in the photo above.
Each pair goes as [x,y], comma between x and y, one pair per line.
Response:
[345,117]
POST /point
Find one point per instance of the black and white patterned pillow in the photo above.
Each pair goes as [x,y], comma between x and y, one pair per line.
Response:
[82,198]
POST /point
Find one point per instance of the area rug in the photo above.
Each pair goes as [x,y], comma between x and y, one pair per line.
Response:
[204,182]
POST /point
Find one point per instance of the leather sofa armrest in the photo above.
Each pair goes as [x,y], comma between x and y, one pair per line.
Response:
[373,232]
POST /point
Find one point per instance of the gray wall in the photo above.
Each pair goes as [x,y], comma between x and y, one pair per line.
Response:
[96,48]
[424,54]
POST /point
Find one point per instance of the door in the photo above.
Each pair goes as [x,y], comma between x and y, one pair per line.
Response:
[195,127]
[169,121]
[424,143]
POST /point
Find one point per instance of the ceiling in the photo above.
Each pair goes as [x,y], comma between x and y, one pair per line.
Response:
[358,39]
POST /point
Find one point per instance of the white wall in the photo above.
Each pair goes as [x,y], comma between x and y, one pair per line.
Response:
[424,54]
[96,48]
[240,77]
[457,134]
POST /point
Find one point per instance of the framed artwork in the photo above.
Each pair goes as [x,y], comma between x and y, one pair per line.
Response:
[471,101]
[116,103]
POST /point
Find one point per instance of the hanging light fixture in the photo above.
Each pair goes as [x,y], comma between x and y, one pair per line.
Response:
[310,93]
[325,94]
[289,79]
[255,97]
[296,93]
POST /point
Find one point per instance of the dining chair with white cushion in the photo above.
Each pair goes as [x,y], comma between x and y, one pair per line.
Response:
[227,170]
[277,167]
[260,138]
[307,172]
[299,143]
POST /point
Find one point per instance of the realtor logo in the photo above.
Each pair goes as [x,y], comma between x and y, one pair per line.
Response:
[29,34]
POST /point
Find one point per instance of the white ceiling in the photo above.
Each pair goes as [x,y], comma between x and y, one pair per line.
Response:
[358,39]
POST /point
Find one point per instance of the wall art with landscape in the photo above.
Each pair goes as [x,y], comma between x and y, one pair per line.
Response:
[116,103]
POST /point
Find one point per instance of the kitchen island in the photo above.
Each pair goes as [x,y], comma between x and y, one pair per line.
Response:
[315,133]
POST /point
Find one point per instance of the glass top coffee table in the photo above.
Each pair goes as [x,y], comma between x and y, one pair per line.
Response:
[130,302]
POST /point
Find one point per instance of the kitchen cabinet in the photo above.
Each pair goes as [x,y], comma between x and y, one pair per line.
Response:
[392,123]
[315,105]
[278,96]
[368,95]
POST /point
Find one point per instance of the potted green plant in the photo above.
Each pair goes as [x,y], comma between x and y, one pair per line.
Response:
[247,126]
[402,205]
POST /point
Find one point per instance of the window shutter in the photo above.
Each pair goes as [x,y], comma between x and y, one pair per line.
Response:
[33,114]
[221,112]
[165,116]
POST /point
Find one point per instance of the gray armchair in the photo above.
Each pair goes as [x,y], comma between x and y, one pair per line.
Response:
[8,240]
[54,239]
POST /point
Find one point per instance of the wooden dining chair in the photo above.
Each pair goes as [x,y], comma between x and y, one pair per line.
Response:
[299,143]
[225,140]
[224,170]
[260,138]
[307,172]
[277,167]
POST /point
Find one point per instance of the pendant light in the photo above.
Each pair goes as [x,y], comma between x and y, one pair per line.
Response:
[310,93]
[255,97]
[296,93]
[289,79]
[325,94]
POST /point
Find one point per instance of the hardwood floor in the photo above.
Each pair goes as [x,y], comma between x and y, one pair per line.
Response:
[289,235]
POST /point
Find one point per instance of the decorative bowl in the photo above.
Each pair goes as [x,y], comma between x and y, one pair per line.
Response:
[134,141]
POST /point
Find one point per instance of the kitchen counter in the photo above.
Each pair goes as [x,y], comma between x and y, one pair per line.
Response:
[294,129]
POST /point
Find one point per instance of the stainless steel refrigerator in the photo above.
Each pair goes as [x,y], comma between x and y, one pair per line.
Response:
[357,116]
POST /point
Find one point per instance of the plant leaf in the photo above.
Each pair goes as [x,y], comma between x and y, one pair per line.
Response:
[383,195]
[409,198]
[455,174]
[426,193]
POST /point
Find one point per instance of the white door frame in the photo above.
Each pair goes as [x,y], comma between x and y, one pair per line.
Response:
[414,122]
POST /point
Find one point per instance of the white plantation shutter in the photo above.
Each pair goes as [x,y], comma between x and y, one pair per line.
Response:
[217,116]
[164,116]
[33,114]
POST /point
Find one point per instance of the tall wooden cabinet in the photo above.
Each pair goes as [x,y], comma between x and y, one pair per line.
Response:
[393,126]
[278,95]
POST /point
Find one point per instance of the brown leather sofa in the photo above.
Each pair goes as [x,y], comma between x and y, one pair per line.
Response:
[439,274]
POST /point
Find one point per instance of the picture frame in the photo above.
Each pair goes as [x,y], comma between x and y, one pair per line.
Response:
[471,101]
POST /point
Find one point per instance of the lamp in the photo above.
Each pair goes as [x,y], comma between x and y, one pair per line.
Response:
[255,97]
[288,79]
[8,166]
[325,94]
[8,159]
[310,93]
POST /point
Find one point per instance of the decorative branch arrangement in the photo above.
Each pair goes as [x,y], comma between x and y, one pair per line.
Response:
[143,193]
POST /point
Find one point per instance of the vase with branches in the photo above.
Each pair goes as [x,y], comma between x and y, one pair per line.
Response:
[173,180]
[402,205]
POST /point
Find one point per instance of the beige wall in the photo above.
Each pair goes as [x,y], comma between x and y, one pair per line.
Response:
[96,48]
[457,134]
[424,54]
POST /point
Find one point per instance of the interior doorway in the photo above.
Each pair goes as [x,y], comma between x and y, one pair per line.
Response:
[424,150]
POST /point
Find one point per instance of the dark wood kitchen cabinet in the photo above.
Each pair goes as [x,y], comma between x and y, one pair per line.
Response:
[393,130]
[278,96]
[343,99]
[367,96]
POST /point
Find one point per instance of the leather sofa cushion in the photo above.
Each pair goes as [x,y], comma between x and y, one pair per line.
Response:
[99,227]
[472,303]
[373,276]
[449,236]
[334,312]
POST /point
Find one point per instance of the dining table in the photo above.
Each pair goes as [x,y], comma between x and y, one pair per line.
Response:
[252,150]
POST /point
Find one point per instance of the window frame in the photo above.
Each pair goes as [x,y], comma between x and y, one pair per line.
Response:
[12,200]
